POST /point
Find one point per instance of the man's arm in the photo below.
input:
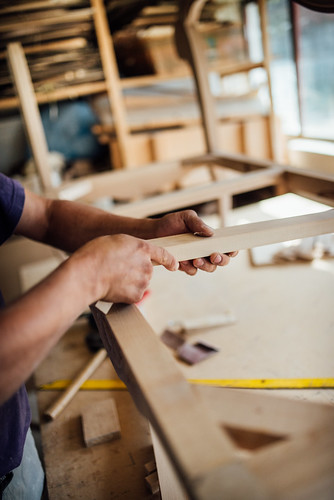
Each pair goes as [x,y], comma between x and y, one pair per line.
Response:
[113,268]
[104,265]
[68,225]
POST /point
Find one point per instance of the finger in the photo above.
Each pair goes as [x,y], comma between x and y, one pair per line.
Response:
[188,268]
[195,224]
[160,255]
[204,265]
[232,254]
[219,259]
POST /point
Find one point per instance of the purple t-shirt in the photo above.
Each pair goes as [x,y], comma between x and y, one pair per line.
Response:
[15,413]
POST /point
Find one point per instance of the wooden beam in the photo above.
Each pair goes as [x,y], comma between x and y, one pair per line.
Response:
[63,17]
[121,184]
[189,43]
[57,46]
[111,73]
[30,112]
[266,63]
[41,4]
[227,239]
[69,92]
[199,450]
[201,194]
[313,185]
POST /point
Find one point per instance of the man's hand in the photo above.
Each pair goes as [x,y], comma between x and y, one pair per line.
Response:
[119,268]
[188,221]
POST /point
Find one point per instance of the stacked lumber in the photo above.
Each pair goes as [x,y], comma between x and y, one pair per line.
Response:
[58,38]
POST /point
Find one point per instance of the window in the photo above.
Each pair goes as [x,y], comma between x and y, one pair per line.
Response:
[302,68]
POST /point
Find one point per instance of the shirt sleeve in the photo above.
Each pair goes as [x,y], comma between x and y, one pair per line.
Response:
[12,199]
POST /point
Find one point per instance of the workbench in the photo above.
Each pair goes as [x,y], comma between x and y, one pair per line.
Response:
[283,329]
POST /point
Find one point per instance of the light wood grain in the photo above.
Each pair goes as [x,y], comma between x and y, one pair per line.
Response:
[198,448]
[58,406]
[30,112]
[228,239]
[100,423]
[110,70]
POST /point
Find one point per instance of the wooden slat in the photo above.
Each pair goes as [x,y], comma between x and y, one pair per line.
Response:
[110,69]
[122,184]
[69,92]
[41,4]
[60,45]
[64,17]
[191,41]
[30,111]
[200,194]
[266,63]
[187,246]
[310,184]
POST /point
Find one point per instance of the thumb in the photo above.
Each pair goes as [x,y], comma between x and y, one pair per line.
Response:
[195,224]
[162,257]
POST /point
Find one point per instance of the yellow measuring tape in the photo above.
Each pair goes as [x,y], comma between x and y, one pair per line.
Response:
[269,383]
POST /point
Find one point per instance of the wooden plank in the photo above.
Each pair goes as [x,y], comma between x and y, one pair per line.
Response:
[30,112]
[122,184]
[139,151]
[315,185]
[256,138]
[60,45]
[262,4]
[198,449]
[200,194]
[187,246]
[41,4]
[170,486]
[63,17]
[190,46]
[69,92]
[110,69]
[100,423]
[176,144]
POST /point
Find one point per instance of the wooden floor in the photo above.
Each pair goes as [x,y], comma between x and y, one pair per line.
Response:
[283,329]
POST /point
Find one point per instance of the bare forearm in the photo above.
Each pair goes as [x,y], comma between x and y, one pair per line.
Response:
[69,225]
[73,224]
[32,325]
[114,268]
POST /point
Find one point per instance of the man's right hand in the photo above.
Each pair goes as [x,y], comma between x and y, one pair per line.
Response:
[119,268]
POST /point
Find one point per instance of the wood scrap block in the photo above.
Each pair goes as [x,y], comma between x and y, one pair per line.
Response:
[150,467]
[152,482]
[100,423]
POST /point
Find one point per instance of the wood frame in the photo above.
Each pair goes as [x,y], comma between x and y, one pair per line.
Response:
[207,462]
[200,462]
